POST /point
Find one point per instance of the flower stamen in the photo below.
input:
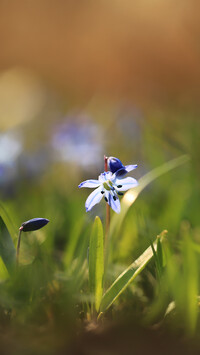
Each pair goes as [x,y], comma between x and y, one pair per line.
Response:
[108,185]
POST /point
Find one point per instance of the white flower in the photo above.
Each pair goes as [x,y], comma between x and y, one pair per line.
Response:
[108,186]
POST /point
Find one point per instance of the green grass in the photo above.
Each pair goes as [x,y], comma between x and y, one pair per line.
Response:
[62,285]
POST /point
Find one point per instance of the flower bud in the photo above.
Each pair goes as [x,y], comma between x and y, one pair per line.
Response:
[115,165]
[33,224]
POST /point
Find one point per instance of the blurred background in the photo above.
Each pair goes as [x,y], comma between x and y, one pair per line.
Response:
[80,79]
[60,59]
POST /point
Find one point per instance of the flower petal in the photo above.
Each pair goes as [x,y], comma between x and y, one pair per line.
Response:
[113,203]
[129,168]
[105,176]
[125,170]
[126,183]
[89,183]
[120,173]
[94,198]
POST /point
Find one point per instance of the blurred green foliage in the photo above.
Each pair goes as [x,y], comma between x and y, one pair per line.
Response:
[50,289]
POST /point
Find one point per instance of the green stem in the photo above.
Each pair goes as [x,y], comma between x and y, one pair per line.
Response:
[18,245]
[107,205]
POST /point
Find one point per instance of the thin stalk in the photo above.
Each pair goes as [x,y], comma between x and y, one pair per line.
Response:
[107,205]
[18,245]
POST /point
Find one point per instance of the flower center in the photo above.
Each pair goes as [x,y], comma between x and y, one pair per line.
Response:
[108,185]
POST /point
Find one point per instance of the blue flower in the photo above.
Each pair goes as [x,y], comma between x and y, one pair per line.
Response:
[109,186]
[115,165]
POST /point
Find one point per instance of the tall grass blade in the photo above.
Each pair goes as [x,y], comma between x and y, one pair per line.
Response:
[10,226]
[7,248]
[159,254]
[96,262]
[126,277]
[131,195]
[74,239]
[191,280]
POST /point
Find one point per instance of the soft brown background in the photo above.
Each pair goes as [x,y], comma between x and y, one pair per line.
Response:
[147,50]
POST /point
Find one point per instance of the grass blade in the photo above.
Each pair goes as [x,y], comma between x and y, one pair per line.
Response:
[7,248]
[73,241]
[96,262]
[7,220]
[160,254]
[131,195]
[126,277]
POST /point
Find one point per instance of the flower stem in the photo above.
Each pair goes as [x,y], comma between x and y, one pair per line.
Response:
[107,205]
[18,245]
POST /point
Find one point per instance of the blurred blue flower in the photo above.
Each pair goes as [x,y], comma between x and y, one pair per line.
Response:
[78,137]
[115,165]
[109,186]
[10,147]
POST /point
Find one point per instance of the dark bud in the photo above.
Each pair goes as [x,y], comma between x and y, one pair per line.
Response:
[114,164]
[106,199]
[114,198]
[33,224]
[120,193]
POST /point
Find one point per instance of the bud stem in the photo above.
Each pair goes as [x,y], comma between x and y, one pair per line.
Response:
[18,245]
